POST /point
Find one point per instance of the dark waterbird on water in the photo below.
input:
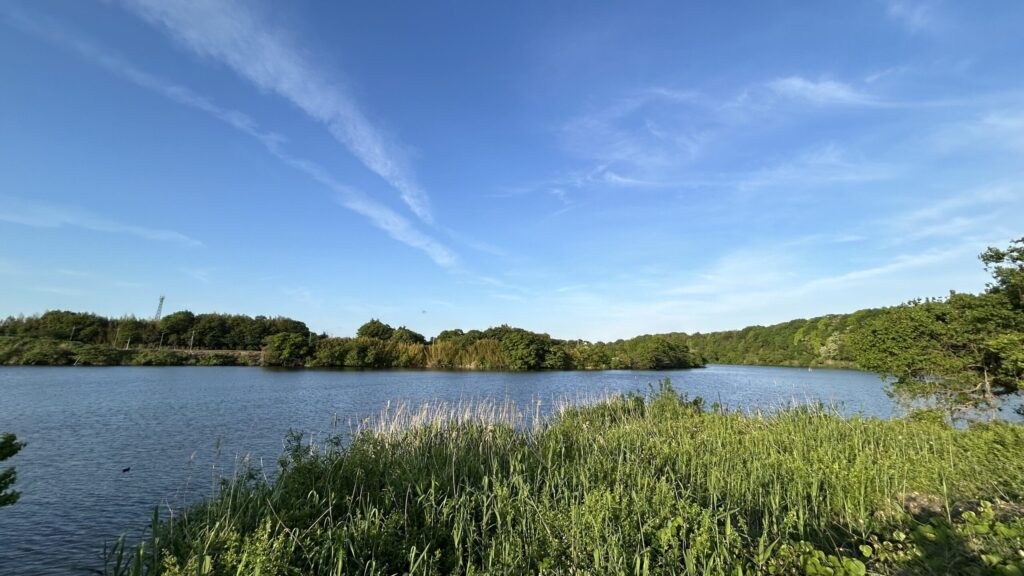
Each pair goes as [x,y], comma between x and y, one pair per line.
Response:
[128,469]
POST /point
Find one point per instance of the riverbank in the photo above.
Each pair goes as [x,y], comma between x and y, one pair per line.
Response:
[51,352]
[518,351]
[630,485]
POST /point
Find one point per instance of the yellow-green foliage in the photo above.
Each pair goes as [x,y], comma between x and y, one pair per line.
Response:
[261,553]
[655,486]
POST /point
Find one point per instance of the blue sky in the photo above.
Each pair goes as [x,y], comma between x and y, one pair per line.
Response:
[592,170]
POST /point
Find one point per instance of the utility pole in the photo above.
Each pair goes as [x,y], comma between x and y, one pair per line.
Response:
[191,339]
[72,337]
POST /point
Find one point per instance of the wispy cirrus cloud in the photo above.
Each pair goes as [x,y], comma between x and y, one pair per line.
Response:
[392,223]
[649,130]
[914,15]
[823,165]
[42,214]
[396,225]
[973,212]
[901,263]
[234,34]
[1001,127]
[821,92]
[657,138]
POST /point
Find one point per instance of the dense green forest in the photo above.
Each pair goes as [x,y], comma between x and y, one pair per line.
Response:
[72,338]
[821,341]
[178,330]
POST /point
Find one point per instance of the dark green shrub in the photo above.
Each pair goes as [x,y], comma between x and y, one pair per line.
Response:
[98,355]
[159,358]
[286,350]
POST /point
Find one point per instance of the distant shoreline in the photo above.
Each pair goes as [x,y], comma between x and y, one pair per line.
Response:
[48,352]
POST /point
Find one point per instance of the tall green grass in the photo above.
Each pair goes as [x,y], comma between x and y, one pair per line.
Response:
[630,485]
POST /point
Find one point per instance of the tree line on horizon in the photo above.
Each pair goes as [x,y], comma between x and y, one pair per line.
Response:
[62,337]
[967,349]
[182,329]
[379,345]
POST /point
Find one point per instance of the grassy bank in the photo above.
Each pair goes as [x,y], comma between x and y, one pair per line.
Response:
[51,352]
[657,486]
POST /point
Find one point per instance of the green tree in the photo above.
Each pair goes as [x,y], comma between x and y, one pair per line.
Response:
[210,331]
[286,349]
[9,446]
[964,351]
[78,326]
[375,329]
[1007,269]
[455,334]
[403,335]
[177,327]
[331,352]
[524,350]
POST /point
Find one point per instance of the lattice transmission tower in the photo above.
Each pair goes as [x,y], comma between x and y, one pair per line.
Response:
[159,309]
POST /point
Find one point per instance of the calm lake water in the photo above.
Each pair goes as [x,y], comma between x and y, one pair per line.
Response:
[180,428]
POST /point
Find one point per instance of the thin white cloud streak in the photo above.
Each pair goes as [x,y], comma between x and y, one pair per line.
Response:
[643,131]
[233,34]
[49,215]
[915,15]
[824,165]
[968,213]
[898,264]
[823,92]
[818,166]
[744,271]
[653,138]
[395,225]
[657,138]
[1005,128]
[833,93]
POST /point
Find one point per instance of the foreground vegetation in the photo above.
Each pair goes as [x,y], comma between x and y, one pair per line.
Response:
[9,447]
[631,485]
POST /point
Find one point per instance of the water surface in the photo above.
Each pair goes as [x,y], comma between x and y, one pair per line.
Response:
[180,428]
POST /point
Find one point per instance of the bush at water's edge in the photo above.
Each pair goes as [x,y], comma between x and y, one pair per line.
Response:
[50,352]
